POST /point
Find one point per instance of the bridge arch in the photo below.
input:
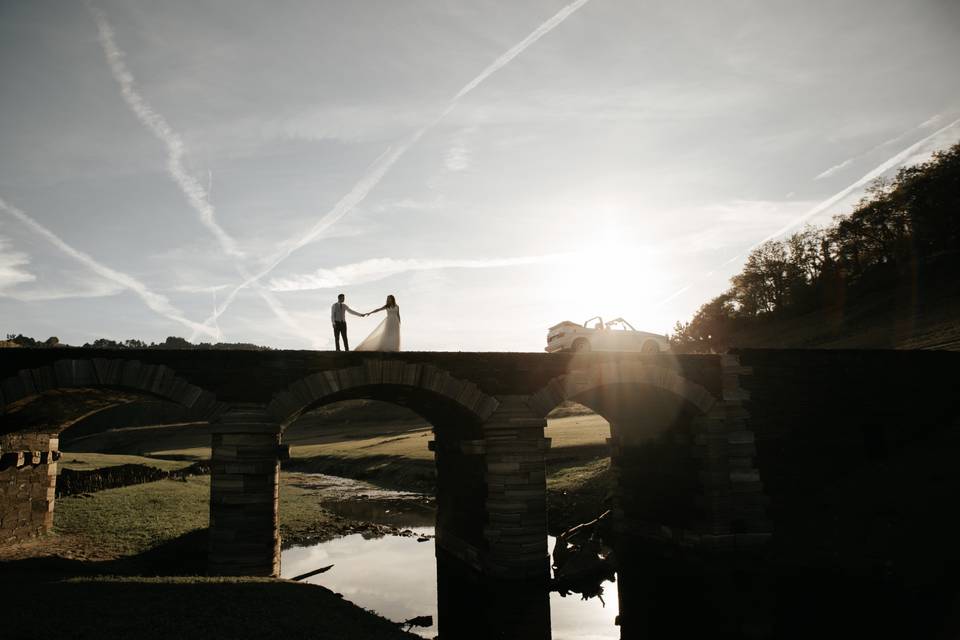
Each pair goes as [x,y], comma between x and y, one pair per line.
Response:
[39,404]
[247,444]
[578,385]
[427,390]
[661,424]
[102,376]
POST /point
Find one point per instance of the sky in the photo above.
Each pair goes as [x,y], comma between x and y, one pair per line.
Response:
[221,170]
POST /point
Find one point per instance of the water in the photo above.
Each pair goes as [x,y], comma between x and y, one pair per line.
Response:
[397,576]
[359,500]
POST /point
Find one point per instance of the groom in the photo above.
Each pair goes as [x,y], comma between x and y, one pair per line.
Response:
[338,318]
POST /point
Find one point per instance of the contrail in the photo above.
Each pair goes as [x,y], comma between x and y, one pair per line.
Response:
[158,126]
[380,268]
[386,161]
[520,47]
[154,301]
[891,163]
[926,124]
[197,196]
[216,325]
[839,166]
[875,173]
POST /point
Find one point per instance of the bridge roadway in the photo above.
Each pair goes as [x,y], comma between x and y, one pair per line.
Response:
[708,451]
[255,376]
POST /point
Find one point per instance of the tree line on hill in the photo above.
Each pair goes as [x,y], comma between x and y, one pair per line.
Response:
[172,342]
[903,235]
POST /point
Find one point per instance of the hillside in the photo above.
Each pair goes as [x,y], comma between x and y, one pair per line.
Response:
[877,321]
[885,276]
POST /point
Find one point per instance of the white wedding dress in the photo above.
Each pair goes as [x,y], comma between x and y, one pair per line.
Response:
[386,337]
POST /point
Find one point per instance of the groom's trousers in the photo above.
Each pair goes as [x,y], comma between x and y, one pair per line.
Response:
[340,329]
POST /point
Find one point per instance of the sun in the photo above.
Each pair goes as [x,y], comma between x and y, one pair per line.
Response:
[615,271]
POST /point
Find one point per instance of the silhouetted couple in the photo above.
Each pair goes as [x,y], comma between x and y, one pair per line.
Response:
[386,337]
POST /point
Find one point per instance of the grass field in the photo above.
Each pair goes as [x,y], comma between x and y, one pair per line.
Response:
[89,461]
[317,435]
[131,520]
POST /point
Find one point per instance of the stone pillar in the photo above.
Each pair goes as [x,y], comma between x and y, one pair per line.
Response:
[516,530]
[733,504]
[28,481]
[244,493]
[516,492]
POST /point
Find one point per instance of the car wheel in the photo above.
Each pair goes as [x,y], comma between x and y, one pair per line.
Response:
[650,347]
[581,344]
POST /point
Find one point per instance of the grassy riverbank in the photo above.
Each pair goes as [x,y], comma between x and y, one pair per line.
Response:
[131,520]
[372,442]
[377,443]
[123,562]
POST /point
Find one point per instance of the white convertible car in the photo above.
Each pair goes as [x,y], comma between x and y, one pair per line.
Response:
[616,335]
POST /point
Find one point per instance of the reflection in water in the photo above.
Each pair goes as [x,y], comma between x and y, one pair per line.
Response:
[360,500]
[392,575]
[396,577]
[397,513]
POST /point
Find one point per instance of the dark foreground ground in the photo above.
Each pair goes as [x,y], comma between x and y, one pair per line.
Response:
[186,607]
[56,597]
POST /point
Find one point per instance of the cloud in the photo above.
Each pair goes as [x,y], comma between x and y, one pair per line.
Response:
[388,158]
[11,273]
[200,288]
[918,150]
[197,196]
[432,204]
[926,124]
[893,162]
[380,268]
[156,302]
[346,123]
[723,226]
[458,155]
[98,289]
[156,124]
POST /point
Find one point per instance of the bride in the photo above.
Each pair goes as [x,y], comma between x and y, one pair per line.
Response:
[386,337]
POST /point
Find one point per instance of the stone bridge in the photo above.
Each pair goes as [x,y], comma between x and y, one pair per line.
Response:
[711,453]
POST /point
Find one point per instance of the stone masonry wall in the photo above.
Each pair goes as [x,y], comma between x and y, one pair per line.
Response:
[516,491]
[244,493]
[823,417]
[28,477]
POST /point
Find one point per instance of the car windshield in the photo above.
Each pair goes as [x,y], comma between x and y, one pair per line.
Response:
[620,325]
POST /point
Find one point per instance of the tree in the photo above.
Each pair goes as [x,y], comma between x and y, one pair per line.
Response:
[708,330]
[768,278]
[905,229]
[174,342]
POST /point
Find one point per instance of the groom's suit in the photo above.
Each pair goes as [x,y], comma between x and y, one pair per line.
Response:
[338,318]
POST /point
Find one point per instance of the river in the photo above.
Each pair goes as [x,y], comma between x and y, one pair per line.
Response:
[396,576]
